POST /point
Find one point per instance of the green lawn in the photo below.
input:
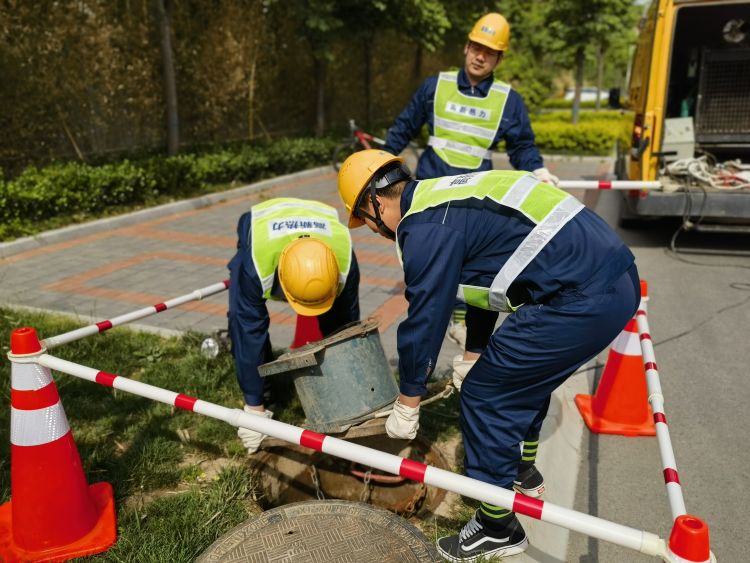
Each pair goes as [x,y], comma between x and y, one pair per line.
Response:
[179,478]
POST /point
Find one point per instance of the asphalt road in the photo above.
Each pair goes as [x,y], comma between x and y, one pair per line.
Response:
[699,316]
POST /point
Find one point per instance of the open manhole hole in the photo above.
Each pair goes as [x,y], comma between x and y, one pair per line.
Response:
[321,531]
[288,474]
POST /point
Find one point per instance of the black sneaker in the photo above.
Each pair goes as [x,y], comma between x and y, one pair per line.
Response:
[475,541]
[529,482]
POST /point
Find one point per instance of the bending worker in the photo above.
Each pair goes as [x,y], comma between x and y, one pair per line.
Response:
[502,241]
[468,112]
[294,250]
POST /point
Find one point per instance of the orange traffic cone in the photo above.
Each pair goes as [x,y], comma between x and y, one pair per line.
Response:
[620,405]
[306,331]
[689,540]
[53,514]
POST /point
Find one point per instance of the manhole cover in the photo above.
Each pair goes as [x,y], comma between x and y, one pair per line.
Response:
[324,531]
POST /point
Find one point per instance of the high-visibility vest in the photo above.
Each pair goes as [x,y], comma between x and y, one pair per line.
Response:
[465,126]
[277,222]
[548,207]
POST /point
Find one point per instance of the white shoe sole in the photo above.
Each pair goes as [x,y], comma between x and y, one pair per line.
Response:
[500,552]
[533,493]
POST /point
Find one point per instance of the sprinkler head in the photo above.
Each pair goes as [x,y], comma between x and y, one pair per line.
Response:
[210,348]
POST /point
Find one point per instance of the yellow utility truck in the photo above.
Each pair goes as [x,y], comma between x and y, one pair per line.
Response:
[690,93]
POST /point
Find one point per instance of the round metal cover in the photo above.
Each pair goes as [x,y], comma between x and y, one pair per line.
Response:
[324,531]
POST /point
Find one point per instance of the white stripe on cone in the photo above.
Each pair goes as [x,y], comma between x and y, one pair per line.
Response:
[37,427]
[29,377]
[674,558]
[627,343]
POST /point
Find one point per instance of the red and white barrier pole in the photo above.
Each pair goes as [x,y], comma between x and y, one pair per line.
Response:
[101,326]
[607,185]
[644,542]
[656,400]
[689,541]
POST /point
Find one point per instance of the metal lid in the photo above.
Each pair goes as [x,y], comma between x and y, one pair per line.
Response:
[323,531]
[305,355]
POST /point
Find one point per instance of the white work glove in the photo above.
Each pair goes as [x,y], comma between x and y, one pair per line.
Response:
[403,422]
[250,438]
[544,175]
[460,368]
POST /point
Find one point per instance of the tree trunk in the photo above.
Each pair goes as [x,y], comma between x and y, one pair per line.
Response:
[164,23]
[251,99]
[580,60]
[599,74]
[321,67]
[367,53]
[418,58]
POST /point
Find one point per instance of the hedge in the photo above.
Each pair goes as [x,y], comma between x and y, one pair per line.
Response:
[595,134]
[584,116]
[562,103]
[68,192]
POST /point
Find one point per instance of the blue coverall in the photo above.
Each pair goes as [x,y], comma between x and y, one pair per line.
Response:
[579,292]
[248,315]
[514,128]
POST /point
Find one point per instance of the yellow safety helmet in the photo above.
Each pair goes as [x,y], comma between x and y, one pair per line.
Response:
[309,276]
[355,175]
[491,30]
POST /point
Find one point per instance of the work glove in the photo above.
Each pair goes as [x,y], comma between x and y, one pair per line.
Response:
[460,368]
[403,422]
[544,175]
[250,438]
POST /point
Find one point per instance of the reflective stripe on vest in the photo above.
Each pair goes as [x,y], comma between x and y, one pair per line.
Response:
[277,222]
[479,152]
[465,126]
[549,208]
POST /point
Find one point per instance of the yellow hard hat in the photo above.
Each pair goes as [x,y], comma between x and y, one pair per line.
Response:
[491,30]
[309,276]
[355,175]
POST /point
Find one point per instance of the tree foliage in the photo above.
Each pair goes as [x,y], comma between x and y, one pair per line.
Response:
[580,25]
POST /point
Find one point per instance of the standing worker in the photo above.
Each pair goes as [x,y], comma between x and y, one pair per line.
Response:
[467,113]
[294,250]
[502,241]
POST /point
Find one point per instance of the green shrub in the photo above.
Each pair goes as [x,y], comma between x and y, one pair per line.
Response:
[584,116]
[64,193]
[287,155]
[174,175]
[251,163]
[594,134]
[562,103]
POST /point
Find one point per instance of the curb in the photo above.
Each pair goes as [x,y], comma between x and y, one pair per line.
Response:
[73,231]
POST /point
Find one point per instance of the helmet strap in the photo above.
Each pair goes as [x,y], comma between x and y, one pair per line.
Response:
[395,174]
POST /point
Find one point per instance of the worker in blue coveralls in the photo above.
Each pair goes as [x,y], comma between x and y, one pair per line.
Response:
[467,113]
[294,250]
[501,241]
